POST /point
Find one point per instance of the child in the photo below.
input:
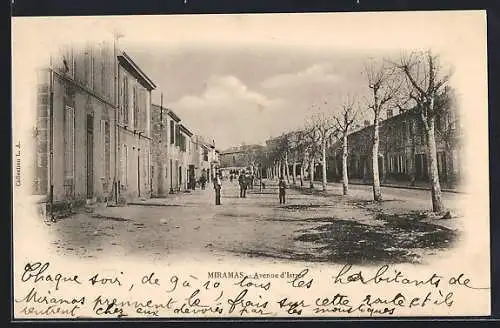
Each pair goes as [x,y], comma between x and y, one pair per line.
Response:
[282,188]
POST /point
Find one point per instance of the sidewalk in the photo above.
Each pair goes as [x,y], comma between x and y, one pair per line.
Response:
[390,184]
[177,199]
[403,185]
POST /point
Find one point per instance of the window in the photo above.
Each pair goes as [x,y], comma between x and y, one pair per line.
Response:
[135,108]
[403,132]
[177,135]
[125,101]
[89,68]
[172,132]
[67,61]
[441,159]
[69,147]
[205,155]
[124,160]
[105,142]
[182,142]
[92,68]
[104,73]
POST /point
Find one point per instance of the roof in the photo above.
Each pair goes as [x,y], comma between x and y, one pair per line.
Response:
[168,111]
[173,116]
[185,130]
[134,69]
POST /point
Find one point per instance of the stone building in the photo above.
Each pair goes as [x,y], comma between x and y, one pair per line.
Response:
[202,149]
[160,146]
[403,153]
[239,158]
[92,135]
[74,133]
[134,129]
[186,166]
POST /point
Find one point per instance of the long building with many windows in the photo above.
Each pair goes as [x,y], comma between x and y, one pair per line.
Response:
[403,153]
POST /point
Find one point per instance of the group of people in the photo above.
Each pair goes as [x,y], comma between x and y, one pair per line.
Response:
[246,180]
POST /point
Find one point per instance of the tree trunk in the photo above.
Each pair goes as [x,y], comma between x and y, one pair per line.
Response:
[377,194]
[323,163]
[302,170]
[437,203]
[294,172]
[287,169]
[311,173]
[345,178]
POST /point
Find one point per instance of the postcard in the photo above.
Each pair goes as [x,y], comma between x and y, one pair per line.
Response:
[250,166]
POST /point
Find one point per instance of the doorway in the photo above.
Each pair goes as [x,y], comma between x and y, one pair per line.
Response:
[138,173]
[90,156]
[180,177]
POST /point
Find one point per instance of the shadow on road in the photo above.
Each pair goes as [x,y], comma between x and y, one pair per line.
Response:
[345,241]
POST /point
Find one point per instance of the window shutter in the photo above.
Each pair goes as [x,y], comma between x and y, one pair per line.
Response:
[70,143]
[134,104]
[124,164]
[103,147]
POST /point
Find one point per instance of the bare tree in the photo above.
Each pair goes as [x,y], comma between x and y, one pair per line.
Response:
[426,82]
[312,149]
[325,127]
[300,152]
[344,122]
[383,89]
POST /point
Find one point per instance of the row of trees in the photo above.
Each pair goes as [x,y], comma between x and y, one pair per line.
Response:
[416,81]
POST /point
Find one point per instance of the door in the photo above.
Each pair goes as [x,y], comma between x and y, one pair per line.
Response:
[138,174]
[180,177]
[191,176]
[418,166]
[90,156]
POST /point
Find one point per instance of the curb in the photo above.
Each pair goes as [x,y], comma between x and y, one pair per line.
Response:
[454,191]
[408,187]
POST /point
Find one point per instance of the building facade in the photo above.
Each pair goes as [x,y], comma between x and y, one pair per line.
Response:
[93,127]
[159,151]
[186,165]
[134,129]
[75,135]
[239,158]
[403,153]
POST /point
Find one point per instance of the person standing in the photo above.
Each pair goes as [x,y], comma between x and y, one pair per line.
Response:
[203,180]
[242,182]
[217,187]
[282,190]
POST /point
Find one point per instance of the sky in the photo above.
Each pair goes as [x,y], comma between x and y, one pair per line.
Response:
[241,95]
[244,78]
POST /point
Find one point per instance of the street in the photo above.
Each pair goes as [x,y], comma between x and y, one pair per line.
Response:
[312,227]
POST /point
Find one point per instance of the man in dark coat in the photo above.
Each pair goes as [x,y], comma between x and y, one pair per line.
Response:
[282,190]
[243,188]
[217,187]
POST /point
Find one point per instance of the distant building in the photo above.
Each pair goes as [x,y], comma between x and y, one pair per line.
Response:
[403,152]
[239,158]
[186,166]
[203,158]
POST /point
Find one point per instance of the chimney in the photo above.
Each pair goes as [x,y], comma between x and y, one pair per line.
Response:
[367,123]
[389,113]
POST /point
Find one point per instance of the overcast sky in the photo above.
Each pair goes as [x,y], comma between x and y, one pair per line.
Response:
[245,95]
[243,78]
